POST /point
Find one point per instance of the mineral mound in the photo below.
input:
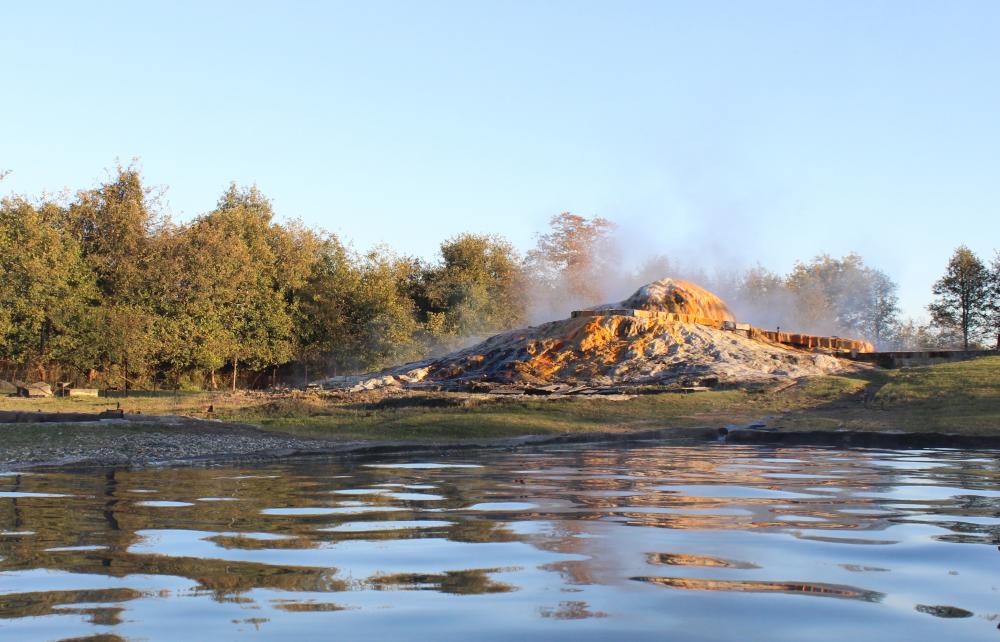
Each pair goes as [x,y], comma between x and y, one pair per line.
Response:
[669,333]
[677,297]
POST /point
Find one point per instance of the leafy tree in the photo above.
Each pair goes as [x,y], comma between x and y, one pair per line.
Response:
[572,262]
[993,321]
[760,296]
[45,288]
[325,333]
[115,225]
[224,289]
[477,288]
[382,314]
[911,335]
[843,296]
[880,307]
[252,324]
[962,295]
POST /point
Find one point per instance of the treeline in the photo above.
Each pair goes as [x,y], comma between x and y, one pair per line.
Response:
[844,297]
[104,289]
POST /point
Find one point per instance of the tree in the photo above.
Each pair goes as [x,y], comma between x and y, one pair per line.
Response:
[962,295]
[993,321]
[574,262]
[911,335]
[324,333]
[251,304]
[382,313]
[843,296]
[115,225]
[759,296]
[881,308]
[478,287]
[225,289]
[45,289]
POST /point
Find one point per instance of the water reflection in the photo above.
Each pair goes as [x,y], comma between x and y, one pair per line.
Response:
[575,543]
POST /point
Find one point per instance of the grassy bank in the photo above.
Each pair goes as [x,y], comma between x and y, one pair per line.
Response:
[957,397]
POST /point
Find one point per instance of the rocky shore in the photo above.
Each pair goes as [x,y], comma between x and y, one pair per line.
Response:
[139,439]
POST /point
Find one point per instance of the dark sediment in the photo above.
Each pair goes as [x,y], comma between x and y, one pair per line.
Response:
[860,439]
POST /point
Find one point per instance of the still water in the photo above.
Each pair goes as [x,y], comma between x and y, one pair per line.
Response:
[680,543]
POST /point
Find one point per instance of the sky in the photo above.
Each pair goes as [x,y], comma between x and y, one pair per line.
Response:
[723,134]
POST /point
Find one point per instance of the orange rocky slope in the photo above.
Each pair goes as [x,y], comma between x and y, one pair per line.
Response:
[668,332]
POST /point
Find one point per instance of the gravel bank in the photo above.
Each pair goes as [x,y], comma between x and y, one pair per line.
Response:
[140,439]
[148,440]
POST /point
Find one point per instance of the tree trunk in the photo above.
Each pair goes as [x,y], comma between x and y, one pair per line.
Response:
[234,375]
[211,378]
[965,326]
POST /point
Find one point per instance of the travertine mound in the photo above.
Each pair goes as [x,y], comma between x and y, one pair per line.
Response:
[614,349]
[677,296]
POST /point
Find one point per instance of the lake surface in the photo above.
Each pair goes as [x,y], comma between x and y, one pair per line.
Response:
[712,542]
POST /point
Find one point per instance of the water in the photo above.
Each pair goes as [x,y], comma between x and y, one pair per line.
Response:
[703,543]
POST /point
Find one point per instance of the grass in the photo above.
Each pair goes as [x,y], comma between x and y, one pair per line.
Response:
[952,397]
[955,397]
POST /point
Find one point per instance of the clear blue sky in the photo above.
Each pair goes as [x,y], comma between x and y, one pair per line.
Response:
[726,132]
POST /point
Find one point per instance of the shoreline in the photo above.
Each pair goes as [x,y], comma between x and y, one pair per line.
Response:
[241,441]
[952,405]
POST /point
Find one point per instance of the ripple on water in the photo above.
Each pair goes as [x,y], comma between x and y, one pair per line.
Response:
[361,527]
[502,506]
[19,494]
[410,486]
[68,549]
[736,491]
[423,465]
[329,510]
[415,497]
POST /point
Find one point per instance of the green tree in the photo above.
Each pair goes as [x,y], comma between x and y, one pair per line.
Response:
[115,225]
[326,337]
[478,287]
[993,321]
[45,289]
[962,295]
[252,322]
[382,312]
